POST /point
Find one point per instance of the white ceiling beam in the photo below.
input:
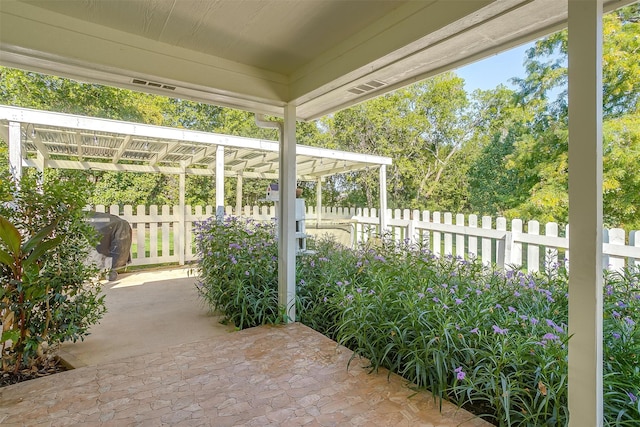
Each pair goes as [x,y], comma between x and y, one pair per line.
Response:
[77,139]
[163,153]
[110,167]
[204,152]
[123,147]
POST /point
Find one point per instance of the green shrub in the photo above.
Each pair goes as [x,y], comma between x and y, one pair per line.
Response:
[48,294]
[492,341]
[239,270]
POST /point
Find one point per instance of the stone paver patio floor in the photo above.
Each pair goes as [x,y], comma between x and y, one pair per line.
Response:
[266,376]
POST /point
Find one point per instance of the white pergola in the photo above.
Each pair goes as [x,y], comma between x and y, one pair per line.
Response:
[300,60]
[44,139]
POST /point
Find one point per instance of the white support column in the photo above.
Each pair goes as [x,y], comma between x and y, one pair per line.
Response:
[239,195]
[15,151]
[287,214]
[383,200]
[318,202]
[181,236]
[585,213]
[220,181]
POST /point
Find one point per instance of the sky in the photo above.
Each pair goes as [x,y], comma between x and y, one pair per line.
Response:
[490,72]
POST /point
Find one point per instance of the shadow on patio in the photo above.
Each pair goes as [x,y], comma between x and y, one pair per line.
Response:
[158,359]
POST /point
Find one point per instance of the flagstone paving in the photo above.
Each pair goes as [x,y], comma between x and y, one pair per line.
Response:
[267,376]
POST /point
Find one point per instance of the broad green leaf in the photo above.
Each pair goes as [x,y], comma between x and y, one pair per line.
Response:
[38,237]
[41,249]
[10,235]
[10,335]
[5,258]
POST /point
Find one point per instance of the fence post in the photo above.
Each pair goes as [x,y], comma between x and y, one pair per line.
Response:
[460,237]
[616,237]
[533,251]
[426,234]
[448,237]
[166,226]
[516,247]
[634,240]
[437,236]
[503,246]
[411,231]
[153,232]
[550,254]
[473,240]
[487,257]
[141,230]
[415,216]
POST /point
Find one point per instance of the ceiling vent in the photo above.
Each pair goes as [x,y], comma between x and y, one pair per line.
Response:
[152,84]
[366,87]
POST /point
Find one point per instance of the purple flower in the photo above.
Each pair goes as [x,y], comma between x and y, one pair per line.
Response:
[459,301]
[615,314]
[436,299]
[533,321]
[371,292]
[615,335]
[420,295]
[550,337]
[498,330]
[633,397]
[312,263]
[498,306]
[430,290]
[512,310]
[246,273]
[323,259]
[478,292]
[629,321]
[234,260]
[460,375]
[379,258]
[359,290]
[349,297]
[325,299]
[234,246]
[339,283]
[516,294]
[475,331]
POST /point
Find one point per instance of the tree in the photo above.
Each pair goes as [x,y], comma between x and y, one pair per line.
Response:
[421,127]
[540,157]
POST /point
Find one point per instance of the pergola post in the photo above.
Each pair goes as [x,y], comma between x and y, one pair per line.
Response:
[15,151]
[382,215]
[239,195]
[585,213]
[220,182]
[287,214]
[181,221]
[318,202]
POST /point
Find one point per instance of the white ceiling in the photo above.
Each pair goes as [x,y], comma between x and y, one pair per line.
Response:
[321,55]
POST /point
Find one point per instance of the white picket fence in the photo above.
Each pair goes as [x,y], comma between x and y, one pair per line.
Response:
[495,240]
[157,230]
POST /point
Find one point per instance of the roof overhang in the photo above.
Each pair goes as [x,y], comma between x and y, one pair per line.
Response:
[318,55]
[77,142]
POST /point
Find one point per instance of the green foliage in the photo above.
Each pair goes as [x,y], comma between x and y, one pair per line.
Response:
[494,342]
[239,270]
[422,127]
[48,295]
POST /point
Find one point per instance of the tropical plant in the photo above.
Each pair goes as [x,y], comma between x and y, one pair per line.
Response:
[48,292]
